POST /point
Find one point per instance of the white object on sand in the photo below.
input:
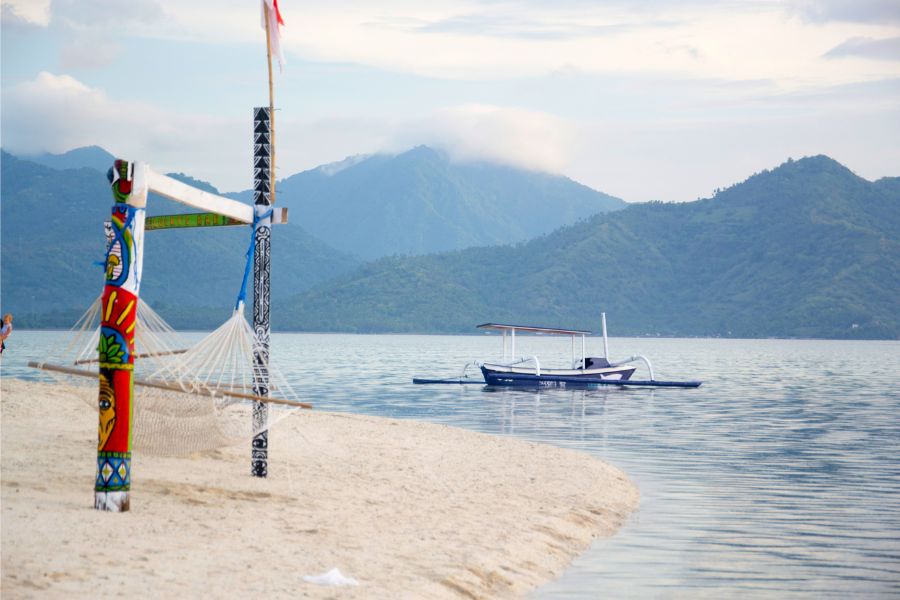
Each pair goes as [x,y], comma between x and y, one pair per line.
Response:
[332,577]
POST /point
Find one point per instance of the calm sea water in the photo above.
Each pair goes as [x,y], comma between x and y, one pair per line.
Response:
[779,477]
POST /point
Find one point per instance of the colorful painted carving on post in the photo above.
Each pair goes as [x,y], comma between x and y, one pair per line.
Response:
[259,457]
[121,177]
[114,464]
[117,325]
[121,250]
[117,334]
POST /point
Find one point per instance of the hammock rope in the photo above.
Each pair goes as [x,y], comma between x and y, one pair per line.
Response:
[188,398]
[257,219]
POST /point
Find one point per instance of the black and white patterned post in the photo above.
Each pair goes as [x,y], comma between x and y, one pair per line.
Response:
[262,266]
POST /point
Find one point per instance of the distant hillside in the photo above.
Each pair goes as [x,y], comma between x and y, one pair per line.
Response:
[417,202]
[420,202]
[52,233]
[808,249]
[889,185]
[91,157]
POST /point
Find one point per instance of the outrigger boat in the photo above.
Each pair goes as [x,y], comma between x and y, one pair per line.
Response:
[583,371]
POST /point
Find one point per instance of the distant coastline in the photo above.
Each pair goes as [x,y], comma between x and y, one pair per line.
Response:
[212,326]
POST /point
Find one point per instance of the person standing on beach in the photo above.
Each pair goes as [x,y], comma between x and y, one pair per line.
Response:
[5,330]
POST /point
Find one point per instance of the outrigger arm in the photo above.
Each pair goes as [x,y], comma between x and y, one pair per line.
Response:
[635,358]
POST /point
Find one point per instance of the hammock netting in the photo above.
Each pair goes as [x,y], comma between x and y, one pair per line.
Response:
[186,399]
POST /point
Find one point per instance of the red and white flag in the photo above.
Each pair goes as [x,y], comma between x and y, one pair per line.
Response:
[275,22]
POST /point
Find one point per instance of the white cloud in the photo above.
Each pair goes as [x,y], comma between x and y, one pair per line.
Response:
[706,139]
[304,144]
[512,136]
[55,113]
[860,11]
[463,39]
[58,112]
[885,49]
[522,138]
[90,30]
[106,14]
[34,12]
[468,39]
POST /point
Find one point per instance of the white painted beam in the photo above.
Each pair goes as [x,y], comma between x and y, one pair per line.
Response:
[185,194]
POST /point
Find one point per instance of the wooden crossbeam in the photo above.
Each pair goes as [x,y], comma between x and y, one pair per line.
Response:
[206,219]
[171,387]
[186,194]
[197,198]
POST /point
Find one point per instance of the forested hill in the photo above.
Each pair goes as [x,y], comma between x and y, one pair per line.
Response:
[92,157]
[52,233]
[808,249]
[420,201]
[415,202]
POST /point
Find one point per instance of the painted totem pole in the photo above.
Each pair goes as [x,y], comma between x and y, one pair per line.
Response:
[124,261]
[262,268]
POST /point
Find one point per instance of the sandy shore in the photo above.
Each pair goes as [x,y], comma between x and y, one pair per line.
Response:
[409,509]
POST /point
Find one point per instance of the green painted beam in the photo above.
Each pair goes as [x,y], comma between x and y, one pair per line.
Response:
[189,220]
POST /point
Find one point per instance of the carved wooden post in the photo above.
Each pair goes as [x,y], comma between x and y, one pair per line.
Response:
[124,262]
[262,265]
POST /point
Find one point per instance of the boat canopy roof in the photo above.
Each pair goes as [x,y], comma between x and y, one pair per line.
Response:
[551,330]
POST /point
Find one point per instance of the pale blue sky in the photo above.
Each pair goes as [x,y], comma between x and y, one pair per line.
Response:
[644,100]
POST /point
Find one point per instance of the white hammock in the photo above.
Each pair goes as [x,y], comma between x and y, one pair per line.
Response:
[185,399]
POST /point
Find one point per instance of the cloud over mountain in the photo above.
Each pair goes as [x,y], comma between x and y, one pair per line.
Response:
[514,136]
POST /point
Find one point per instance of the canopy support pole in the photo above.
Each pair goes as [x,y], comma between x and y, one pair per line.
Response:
[118,320]
[262,269]
[605,342]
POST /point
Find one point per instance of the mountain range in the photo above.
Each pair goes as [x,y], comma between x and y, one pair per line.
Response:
[93,157]
[52,234]
[805,250]
[415,202]
[53,207]
[420,202]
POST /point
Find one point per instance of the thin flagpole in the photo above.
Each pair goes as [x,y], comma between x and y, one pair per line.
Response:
[271,108]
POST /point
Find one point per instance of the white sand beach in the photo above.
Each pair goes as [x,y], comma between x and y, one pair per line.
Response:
[408,509]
